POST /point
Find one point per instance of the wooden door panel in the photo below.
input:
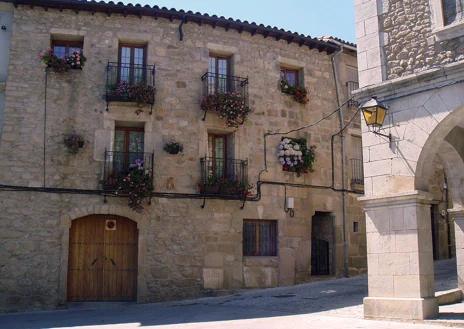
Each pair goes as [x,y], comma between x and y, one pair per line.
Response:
[102,263]
[120,274]
[85,259]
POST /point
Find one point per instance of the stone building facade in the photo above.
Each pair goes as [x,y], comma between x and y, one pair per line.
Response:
[410,56]
[62,234]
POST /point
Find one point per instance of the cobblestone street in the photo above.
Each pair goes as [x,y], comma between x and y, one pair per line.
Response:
[326,304]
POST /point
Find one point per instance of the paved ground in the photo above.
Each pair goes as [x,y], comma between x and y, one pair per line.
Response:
[319,305]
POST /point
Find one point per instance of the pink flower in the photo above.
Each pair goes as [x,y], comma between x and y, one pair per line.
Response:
[48,48]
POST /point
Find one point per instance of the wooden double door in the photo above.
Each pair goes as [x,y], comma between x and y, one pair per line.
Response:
[102,262]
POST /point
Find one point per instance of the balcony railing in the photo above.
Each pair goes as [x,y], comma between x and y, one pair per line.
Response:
[352,86]
[119,164]
[121,78]
[223,176]
[357,172]
[216,84]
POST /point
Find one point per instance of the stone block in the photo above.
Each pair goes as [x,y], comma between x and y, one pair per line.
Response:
[214,260]
[394,264]
[287,266]
[381,286]
[259,277]
[213,278]
[406,241]
[400,308]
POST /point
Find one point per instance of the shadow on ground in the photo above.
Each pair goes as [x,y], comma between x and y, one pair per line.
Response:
[342,297]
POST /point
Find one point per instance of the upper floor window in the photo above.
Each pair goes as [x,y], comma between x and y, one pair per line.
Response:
[452,11]
[219,69]
[132,59]
[290,75]
[65,48]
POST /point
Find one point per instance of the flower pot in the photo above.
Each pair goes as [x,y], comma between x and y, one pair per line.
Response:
[80,144]
[174,151]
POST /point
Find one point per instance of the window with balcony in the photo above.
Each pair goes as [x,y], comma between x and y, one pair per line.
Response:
[221,174]
[131,79]
[223,93]
[259,237]
[128,154]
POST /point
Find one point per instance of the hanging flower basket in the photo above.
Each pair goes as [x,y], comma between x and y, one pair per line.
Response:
[73,143]
[173,147]
[141,94]
[75,60]
[229,106]
[299,93]
[295,156]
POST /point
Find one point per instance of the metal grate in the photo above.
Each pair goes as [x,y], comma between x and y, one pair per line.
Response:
[320,264]
[132,74]
[352,86]
[357,172]
[119,164]
[214,169]
[214,83]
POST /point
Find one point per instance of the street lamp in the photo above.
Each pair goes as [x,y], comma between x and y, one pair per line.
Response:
[374,114]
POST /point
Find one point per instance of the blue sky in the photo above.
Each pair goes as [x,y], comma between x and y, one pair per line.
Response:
[310,17]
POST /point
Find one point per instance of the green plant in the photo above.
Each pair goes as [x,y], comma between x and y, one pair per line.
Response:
[75,60]
[224,186]
[74,143]
[173,146]
[143,95]
[295,156]
[138,185]
[52,61]
[227,105]
[299,93]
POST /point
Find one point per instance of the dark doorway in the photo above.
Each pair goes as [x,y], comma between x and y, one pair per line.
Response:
[322,241]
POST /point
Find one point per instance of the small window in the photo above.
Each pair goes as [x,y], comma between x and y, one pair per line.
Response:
[259,237]
[357,173]
[64,48]
[290,75]
[355,227]
[453,11]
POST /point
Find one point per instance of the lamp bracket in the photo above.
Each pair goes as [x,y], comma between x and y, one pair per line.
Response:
[389,136]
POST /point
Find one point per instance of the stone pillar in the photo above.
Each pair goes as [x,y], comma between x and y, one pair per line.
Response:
[459,238]
[399,256]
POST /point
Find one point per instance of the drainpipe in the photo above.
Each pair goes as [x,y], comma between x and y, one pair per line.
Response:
[342,137]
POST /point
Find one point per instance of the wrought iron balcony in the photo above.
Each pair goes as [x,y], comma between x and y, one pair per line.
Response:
[119,164]
[222,84]
[130,83]
[223,176]
[352,86]
[357,172]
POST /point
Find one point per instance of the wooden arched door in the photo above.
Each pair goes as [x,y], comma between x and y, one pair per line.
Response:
[102,262]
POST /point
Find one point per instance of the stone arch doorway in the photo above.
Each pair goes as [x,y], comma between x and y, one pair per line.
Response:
[424,126]
[102,263]
[141,221]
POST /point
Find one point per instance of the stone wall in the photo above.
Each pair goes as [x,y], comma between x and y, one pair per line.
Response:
[410,44]
[184,251]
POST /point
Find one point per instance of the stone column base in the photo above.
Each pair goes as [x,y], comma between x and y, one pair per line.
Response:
[400,308]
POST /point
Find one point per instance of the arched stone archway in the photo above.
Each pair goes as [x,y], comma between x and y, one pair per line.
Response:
[397,201]
[122,211]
